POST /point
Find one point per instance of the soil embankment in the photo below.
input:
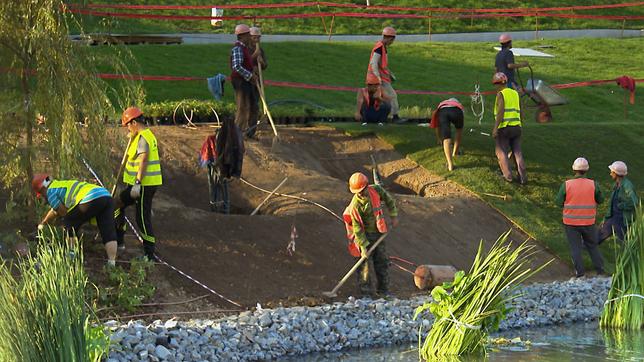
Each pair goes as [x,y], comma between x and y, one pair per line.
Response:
[245,258]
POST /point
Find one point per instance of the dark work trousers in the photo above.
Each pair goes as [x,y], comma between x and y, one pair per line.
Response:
[613,226]
[372,115]
[246,97]
[380,262]
[218,189]
[509,139]
[143,217]
[102,209]
[580,237]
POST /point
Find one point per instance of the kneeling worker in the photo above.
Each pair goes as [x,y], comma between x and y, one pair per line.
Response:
[78,202]
[368,223]
[579,198]
[372,106]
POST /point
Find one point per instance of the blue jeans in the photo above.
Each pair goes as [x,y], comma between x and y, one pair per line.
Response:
[372,115]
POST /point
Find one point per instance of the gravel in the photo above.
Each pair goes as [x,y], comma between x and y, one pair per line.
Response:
[355,323]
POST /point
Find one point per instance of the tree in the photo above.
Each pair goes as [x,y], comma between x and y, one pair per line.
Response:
[45,75]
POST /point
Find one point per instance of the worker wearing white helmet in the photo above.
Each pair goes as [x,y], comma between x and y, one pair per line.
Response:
[579,198]
[243,79]
[504,62]
[378,66]
[623,202]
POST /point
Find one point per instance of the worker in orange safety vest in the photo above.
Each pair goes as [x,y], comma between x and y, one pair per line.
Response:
[365,222]
[379,66]
[372,106]
[579,197]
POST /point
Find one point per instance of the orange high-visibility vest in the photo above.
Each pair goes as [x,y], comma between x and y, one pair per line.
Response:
[580,207]
[382,68]
[349,211]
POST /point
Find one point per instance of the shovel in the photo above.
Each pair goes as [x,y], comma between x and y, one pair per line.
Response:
[334,292]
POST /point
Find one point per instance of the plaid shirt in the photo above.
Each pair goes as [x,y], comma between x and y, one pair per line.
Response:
[238,61]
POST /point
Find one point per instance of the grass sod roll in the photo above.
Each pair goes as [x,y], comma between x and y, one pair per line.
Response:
[624,308]
[474,304]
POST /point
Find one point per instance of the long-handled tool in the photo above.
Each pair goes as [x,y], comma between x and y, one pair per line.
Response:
[268,197]
[262,96]
[122,166]
[504,197]
[334,293]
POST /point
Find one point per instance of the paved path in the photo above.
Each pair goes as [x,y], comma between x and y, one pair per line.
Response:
[453,37]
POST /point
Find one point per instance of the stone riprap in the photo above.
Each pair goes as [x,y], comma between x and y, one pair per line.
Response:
[355,323]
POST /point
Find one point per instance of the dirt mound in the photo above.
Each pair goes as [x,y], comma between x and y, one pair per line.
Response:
[245,258]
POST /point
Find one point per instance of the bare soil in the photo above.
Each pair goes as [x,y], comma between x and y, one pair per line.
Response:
[244,257]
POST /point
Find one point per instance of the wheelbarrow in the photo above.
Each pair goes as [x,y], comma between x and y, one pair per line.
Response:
[543,96]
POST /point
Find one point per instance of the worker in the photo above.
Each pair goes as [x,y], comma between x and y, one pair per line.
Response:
[507,128]
[579,198]
[368,223]
[372,106]
[217,183]
[448,112]
[244,81]
[378,66]
[504,62]
[623,202]
[78,202]
[259,61]
[142,177]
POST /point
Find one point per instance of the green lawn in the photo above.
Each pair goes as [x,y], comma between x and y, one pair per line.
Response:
[591,125]
[364,26]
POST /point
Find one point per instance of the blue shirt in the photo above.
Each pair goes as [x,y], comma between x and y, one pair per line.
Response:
[56,196]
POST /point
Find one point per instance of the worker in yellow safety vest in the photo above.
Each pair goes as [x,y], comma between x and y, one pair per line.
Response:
[78,202]
[507,128]
[142,177]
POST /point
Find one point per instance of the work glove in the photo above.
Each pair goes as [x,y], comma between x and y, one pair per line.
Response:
[135,191]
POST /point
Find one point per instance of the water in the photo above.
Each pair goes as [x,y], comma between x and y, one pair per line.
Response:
[576,342]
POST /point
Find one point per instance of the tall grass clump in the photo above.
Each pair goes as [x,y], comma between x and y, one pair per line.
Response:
[624,307]
[43,314]
[474,304]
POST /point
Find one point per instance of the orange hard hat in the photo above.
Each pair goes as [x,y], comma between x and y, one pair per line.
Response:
[372,78]
[504,38]
[358,182]
[242,29]
[499,78]
[389,31]
[130,114]
[40,180]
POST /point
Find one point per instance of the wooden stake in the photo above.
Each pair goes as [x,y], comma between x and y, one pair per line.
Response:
[536,26]
[323,21]
[429,27]
[331,28]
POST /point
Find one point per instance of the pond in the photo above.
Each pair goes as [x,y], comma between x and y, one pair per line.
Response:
[575,342]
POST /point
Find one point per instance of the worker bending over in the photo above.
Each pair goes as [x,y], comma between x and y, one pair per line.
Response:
[579,197]
[78,202]
[372,106]
[448,112]
[379,66]
[368,223]
[142,177]
[623,201]
[504,61]
[507,128]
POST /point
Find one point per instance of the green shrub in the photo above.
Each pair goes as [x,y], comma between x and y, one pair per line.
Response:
[43,314]
[126,289]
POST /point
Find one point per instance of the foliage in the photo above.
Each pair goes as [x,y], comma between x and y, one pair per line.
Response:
[474,304]
[366,26]
[43,314]
[126,289]
[624,308]
[171,111]
[47,76]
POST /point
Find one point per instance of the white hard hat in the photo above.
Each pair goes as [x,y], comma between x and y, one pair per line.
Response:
[619,168]
[580,164]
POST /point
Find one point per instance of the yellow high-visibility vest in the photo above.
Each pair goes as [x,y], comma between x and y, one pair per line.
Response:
[152,173]
[75,191]
[512,112]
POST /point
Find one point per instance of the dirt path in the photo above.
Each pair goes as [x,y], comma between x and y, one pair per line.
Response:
[244,257]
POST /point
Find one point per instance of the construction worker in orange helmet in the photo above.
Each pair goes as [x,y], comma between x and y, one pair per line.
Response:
[579,198]
[372,106]
[367,224]
[78,202]
[379,66]
[504,61]
[142,177]
[507,128]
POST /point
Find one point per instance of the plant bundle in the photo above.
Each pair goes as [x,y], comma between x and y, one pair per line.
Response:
[474,304]
[43,314]
[624,307]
